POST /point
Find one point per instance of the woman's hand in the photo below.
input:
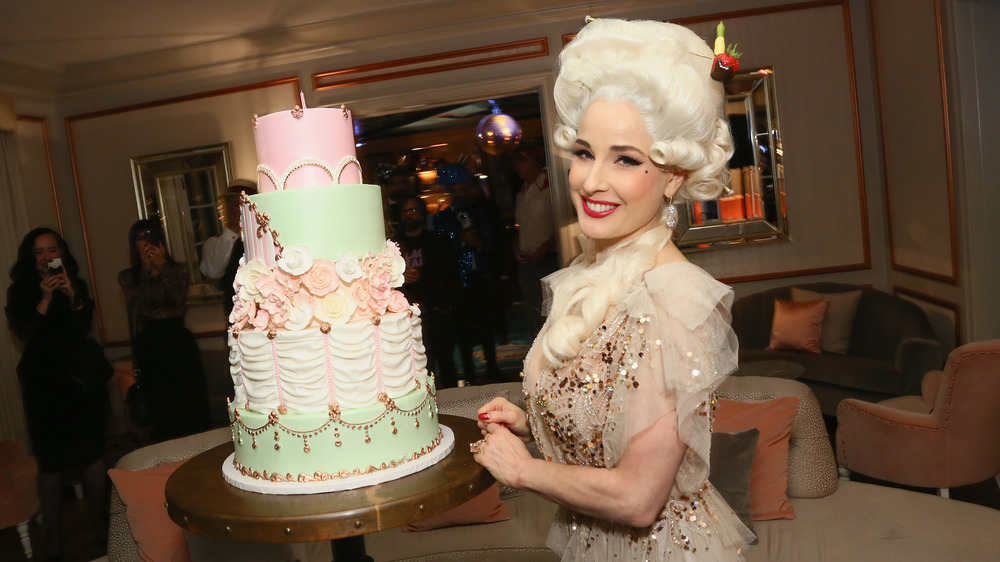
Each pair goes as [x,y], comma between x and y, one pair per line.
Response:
[49,285]
[503,454]
[64,285]
[500,411]
[152,256]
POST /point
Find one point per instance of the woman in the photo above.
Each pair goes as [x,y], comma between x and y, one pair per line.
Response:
[164,351]
[62,374]
[619,382]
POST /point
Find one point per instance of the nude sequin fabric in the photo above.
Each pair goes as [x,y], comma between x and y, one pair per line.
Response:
[664,349]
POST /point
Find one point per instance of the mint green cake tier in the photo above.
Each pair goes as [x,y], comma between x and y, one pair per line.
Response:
[328,220]
[329,445]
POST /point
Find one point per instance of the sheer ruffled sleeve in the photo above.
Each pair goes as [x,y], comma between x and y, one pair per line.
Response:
[688,348]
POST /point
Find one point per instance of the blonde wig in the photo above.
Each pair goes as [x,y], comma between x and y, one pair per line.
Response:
[664,71]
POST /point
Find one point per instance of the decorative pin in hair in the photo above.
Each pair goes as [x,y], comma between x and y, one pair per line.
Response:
[727,59]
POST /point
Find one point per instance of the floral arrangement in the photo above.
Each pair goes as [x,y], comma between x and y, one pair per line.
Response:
[301,291]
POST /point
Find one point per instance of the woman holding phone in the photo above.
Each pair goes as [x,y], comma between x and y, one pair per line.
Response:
[62,374]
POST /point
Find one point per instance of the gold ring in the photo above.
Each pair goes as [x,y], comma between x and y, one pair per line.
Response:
[475,448]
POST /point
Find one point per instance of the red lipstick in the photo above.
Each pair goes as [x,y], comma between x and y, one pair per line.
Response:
[589,204]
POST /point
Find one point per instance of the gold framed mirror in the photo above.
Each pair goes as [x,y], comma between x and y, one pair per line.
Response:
[754,210]
[182,189]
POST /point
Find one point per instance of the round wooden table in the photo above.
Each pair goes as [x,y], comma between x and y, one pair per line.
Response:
[201,501]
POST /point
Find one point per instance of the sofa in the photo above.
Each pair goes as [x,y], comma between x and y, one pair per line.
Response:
[834,519]
[891,345]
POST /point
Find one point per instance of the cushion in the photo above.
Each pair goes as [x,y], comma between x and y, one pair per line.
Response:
[142,492]
[467,407]
[484,508]
[838,320]
[769,477]
[797,325]
[731,462]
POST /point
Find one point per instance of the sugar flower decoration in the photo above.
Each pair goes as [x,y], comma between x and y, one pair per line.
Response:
[322,278]
[247,277]
[336,307]
[348,267]
[295,260]
[300,315]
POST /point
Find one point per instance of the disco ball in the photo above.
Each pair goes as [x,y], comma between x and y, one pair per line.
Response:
[498,133]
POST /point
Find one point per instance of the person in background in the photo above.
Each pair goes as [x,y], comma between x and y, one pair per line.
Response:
[398,183]
[535,252]
[469,225]
[429,281]
[164,352]
[63,375]
[620,383]
[220,255]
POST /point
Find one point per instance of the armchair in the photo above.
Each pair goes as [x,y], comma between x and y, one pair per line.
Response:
[948,436]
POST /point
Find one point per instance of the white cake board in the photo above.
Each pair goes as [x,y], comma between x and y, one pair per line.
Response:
[250,484]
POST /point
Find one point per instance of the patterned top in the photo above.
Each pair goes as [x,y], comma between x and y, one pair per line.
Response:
[156,297]
[655,354]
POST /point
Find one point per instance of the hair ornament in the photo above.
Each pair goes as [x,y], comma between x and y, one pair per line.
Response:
[726,63]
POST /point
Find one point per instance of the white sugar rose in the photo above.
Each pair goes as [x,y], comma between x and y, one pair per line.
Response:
[247,277]
[336,307]
[397,264]
[348,267]
[295,260]
[300,315]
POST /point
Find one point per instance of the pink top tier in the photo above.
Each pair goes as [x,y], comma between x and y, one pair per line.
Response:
[303,148]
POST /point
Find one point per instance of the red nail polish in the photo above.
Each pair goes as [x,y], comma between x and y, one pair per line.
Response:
[484,416]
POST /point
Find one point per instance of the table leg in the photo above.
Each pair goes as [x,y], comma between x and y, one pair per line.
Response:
[350,549]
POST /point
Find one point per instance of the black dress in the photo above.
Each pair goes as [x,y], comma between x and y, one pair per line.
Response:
[62,374]
[172,376]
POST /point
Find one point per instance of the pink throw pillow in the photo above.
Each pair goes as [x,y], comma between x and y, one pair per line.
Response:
[142,492]
[487,507]
[797,325]
[769,475]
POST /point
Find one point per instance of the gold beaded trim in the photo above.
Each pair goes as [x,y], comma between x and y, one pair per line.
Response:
[323,476]
[263,224]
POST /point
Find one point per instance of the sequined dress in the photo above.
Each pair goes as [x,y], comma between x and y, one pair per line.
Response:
[665,348]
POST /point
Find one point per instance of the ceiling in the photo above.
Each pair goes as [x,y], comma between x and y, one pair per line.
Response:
[53,46]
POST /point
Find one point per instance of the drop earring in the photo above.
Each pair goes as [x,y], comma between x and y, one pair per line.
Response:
[671,213]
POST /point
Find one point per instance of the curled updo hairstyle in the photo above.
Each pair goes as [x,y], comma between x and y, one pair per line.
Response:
[664,70]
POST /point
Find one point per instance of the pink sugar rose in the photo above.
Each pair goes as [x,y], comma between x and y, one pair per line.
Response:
[321,278]
[373,298]
[374,267]
[397,302]
[269,284]
[292,282]
[277,304]
[242,312]
[261,320]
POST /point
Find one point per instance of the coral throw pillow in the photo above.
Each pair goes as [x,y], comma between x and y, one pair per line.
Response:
[487,507]
[797,325]
[838,321]
[769,476]
[142,492]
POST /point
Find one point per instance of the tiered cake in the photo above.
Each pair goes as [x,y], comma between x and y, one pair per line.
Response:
[327,359]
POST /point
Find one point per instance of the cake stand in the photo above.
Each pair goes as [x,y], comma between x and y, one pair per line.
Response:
[202,502]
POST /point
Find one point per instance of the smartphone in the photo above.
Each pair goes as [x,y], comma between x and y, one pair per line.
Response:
[55,265]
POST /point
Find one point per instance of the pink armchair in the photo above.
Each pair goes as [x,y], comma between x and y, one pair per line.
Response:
[18,491]
[948,436]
